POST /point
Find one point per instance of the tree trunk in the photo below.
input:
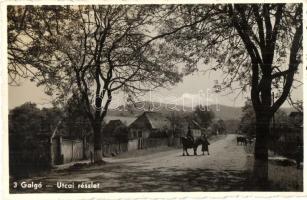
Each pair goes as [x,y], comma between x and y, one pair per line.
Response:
[261,151]
[97,143]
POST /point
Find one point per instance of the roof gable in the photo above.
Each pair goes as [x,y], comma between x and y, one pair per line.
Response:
[157,120]
[151,120]
[141,122]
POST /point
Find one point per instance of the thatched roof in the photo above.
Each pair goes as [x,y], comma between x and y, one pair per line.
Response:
[151,120]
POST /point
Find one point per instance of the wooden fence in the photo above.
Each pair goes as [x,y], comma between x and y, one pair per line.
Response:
[131,145]
[108,149]
[114,148]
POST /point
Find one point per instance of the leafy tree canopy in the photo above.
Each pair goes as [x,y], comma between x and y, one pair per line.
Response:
[203,115]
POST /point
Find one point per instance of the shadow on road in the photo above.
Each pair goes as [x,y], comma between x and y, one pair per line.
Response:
[133,179]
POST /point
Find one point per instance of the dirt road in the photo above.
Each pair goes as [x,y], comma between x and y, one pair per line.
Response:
[223,170]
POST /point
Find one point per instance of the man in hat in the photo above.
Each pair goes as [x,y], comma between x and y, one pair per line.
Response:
[190,135]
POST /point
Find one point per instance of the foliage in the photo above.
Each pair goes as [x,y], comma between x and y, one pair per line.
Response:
[97,50]
[258,46]
[219,127]
[28,121]
[108,47]
[74,122]
[248,119]
[115,132]
[178,123]
[203,115]
[223,37]
[94,51]
[25,120]
[29,131]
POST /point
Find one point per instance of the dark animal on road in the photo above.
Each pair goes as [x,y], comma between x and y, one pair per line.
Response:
[241,140]
[187,144]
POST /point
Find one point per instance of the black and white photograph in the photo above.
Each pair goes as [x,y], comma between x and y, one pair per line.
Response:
[133,98]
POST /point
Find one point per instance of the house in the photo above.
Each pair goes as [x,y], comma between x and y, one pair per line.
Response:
[149,124]
[195,128]
[115,130]
[150,129]
[67,148]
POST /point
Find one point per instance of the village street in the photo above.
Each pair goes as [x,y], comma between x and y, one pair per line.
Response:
[223,170]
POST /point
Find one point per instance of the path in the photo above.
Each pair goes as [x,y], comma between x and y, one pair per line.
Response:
[223,170]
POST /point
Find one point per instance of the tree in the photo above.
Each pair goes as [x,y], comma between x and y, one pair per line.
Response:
[94,51]
[258,46]
[248,119]
[29,133]
[265,70]
[249,42]
[74,121]
[218,127]
[221,126]
[19,123]
[178,121]
[203,116]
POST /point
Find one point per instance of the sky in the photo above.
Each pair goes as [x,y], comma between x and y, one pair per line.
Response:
[195,89]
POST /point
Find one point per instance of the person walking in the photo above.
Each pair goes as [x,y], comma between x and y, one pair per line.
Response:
[205,144]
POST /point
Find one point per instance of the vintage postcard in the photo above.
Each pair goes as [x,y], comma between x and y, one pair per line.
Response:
[138,99]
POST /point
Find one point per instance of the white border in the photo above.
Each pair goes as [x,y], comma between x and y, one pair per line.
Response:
[93,196]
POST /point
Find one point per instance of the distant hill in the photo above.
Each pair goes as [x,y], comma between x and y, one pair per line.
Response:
[226,112]
[231,115]
[220,111]
[140,107]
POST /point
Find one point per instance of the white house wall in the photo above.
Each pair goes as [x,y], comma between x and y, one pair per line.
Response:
[132,145]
